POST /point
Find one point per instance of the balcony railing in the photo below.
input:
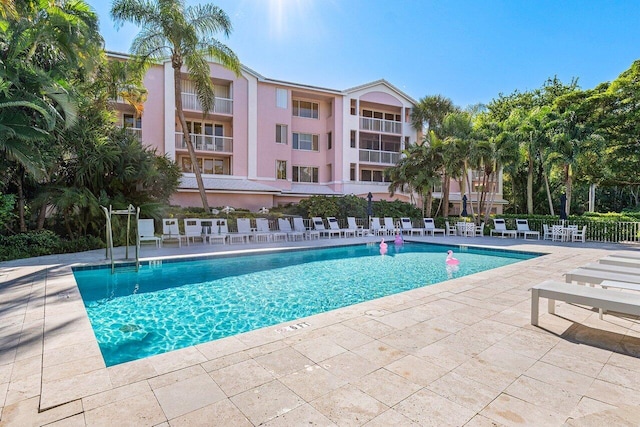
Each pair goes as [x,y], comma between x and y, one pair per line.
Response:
[219,144]
[190,101]
[380,125]
[374,156]
[135,132]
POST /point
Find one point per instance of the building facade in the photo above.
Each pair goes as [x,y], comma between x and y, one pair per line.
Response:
[268,142]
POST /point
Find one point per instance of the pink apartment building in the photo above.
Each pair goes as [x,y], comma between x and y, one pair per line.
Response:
[269,142]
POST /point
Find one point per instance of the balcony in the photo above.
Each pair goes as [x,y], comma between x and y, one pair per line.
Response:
[383,157]
[191,102]
[380,125]
[135,132]
[216,144]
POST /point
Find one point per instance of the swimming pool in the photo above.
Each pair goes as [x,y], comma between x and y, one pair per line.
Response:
[171,304]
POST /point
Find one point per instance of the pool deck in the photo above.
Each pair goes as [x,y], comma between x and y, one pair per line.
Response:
[461,352]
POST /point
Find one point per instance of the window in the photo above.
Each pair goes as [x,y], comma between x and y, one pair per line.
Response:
[373,176]
[329,141]
[353,139]
[305,141]
[305,174]
[281,169]
[130,121]
[330,171]
[281,134]
[305,109]
[352,172]
[207,165]
[281,98]
[353,107]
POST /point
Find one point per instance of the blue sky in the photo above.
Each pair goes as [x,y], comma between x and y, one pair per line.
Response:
[469,51]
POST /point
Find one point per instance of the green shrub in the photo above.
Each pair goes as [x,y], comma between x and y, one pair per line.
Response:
[45,242]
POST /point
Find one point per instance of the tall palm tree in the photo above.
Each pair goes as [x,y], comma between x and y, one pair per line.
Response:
[417,171]
[572,139]
[458,128]
[430,112]
[169,29]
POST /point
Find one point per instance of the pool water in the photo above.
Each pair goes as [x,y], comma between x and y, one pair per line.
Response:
[172,304]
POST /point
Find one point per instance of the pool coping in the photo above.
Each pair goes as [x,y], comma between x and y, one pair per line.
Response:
[68,346]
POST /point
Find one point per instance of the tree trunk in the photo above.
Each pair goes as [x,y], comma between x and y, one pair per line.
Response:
[42,215]
[20,185]
[445,195]
[546,185]
[186,136]
[569,183]
[530,181]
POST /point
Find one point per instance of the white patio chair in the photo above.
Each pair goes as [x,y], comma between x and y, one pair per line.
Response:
[147,232]
[547,232]
[480,230]
[450,230]
[245,233]
[579,236]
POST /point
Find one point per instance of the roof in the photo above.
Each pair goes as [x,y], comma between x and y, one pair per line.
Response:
[381,82]
[189,182]
[310,189]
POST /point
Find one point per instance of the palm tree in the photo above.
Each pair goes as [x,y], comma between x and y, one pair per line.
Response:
[457,128]
[572,139]
[430,112]
[185,35]
[417,171]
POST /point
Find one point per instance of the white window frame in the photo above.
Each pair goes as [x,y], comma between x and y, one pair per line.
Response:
[282,132]
[310,171]
[282,97]
[314,110]
[280,169]
[303,140]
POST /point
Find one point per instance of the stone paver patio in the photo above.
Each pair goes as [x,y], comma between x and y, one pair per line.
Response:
[460,352]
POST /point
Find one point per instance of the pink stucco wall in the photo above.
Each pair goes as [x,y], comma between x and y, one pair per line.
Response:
[153,115]
[253,202]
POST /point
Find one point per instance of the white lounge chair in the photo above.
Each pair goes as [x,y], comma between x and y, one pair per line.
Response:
[622,262]
[522,228]
[604,299]
[408,228]
[334,225]
[389,226]
[245,233]
[298,225]
[263,228]
[171,231]
[215,230]
[353,226]
[612,268]
[318,225]
[193,229]
[501,228]
[430,227]
[627,254]
[376,228]
[596,277]
[147,232]
[285,226]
